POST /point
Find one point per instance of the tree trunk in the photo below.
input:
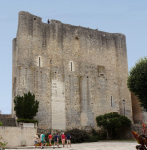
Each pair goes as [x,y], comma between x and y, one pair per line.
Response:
[108,135]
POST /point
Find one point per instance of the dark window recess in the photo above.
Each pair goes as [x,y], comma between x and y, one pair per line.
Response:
[111,101]
[87,76]
[76,38]
[71,66]
[34,18]
[39,61]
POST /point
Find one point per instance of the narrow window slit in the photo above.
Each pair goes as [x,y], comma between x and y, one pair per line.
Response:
[71,66]
[111,101]
[39,61]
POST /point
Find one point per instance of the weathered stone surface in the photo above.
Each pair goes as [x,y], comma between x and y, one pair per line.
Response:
[8,122]
[76,73]
[15,135]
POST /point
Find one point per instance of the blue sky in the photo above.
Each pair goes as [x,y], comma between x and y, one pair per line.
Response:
[127,16]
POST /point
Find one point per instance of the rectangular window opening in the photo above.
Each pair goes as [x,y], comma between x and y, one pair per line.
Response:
[111,101]
[39,61]
[71,66]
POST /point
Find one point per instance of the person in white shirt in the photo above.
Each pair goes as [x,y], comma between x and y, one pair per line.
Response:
[36,139]
[41,136]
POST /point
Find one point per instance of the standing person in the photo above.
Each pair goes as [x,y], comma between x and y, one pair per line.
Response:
[56,140]
[50,139]
[68,140]
[43,141]
[63,139]
[143,128]
[48,21]
[36,139]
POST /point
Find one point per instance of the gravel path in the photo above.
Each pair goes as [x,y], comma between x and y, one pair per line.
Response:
[95,146]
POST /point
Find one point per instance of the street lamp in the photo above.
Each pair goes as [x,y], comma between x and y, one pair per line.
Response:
[124,106]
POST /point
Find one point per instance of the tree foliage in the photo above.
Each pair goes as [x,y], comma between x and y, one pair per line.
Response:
[0,123]
[27,120]
[26,106]
[137,81]
[112,122]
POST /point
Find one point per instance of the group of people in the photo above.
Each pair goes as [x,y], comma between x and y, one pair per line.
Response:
[56,139]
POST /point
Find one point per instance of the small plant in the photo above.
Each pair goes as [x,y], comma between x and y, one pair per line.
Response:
[1,123]
[3,143]
[27,120]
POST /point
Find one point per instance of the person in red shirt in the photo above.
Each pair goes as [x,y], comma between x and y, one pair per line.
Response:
[143,128]
[63,139]
[50,139]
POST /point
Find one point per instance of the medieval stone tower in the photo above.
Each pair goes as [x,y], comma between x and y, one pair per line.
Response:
[76,73]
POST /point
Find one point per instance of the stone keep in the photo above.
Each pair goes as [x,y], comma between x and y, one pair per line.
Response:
[76,73]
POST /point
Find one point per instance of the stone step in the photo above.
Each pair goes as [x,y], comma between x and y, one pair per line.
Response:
[8,122]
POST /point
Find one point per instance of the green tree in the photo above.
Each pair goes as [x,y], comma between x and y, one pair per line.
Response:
[112,122]
[26,106]
[137,81]
[0,123]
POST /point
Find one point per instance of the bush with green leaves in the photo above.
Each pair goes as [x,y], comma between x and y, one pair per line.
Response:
[80,136]
[3,143]
[27,120]
[0,123]
[95,136]
[26,106]
[77,136]
[112,122]
[137,81]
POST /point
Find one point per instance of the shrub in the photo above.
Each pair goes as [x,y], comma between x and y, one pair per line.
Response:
[1,123]
[97,135]
[112,122]
[27,120]
[78,136]
[26,106]
[3,143]
[103,135]
[93,139]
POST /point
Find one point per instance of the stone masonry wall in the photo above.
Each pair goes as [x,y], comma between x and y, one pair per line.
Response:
[76,73]
[15,135]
